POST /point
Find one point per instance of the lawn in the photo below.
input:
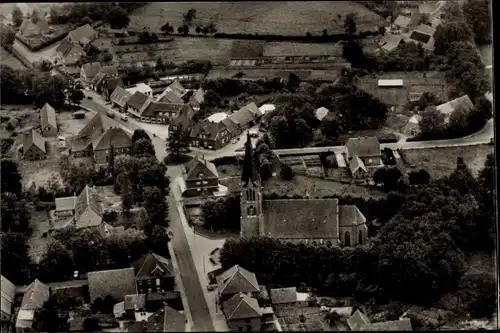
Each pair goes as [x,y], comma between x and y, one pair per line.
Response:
[289,318]
[440,162]
[270,17]
[8,59]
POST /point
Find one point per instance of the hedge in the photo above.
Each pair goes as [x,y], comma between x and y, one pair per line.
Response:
[34,48]
[122,41]
[225,160]
[328,38]
[388,138]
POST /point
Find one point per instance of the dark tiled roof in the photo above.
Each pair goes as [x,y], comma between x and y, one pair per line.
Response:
[241,306]
[283,295]
[169,96]
[112,83]
[199,96]
[230,125]
[151,262]
[114,136]
[164,296]
[137,100]
[48,116]
[66,48]
[420,37]
[177,88]
[355,163]
[236,280]
[118,283]
[184,119]
[97,80]
[246,114]
[301,218]
[85,31]
[363,147]
[154,108]
[120,96]
[91,69]
[33,138]
[35,296]
[166,320]
[208,128]
[87,199]
[199,164]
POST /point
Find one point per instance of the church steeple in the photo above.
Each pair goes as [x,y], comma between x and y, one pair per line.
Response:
[249,171]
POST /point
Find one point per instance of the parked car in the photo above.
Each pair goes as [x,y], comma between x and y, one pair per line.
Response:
[110,114]
[124,117]
[235,140]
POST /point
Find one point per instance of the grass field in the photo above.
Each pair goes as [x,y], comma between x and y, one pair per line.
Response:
[289,319]
[270,17]
[440,162]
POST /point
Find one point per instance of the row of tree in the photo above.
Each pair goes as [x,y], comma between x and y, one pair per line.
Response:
[25,86]
[417,257]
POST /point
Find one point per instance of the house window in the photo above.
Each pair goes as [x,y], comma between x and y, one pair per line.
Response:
[150,290]
[139,282]
[198,189]
[198,183]
[369,160]
[149,282]
[347,239]
[157,282]
[250,195]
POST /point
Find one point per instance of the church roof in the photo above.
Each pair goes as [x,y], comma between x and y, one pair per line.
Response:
[301,218]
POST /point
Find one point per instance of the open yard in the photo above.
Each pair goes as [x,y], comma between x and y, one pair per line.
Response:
[69,126]
[270,17]
[440,162]
[312,319]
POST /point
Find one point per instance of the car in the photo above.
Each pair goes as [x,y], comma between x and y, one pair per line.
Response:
[110,114]
[235,140]
[124,117]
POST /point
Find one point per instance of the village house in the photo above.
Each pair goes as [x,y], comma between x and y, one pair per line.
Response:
[33,146]
[35,296]
[169,96]
[30,29]
[119,98]
[447,108]
[283,297]
[89,71]
[116,282]
[141,87]
[211,135]
[136,102]
[423,35]
[154,274]
[96,138]
[161,113]
[106,81]
[8,295]
[389,42]
[48,123]
[68,53]
[200,177]
[165,319]
[242,313]
[366,148]
[83,210]
[184,120]
[82,35]
[320,222]
[197,99]
[412,127]
[403,23]
[235,280]
[243,119]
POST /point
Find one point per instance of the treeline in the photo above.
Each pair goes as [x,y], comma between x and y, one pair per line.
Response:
[417,257]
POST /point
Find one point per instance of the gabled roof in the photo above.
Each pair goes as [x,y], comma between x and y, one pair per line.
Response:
[169,96]
[91,69]
[283,295]
[29,28]
[140,87]
[217,117]
[402,21]
[236,280]
[166,320]
[91,132]
[32,138]
[109,70]
[301,218]
[115,136]
[96,81]
[208,128]
[230,124]
[200,164]
[241,306]
[66,48]
[426,29]
[184,118]
[66,203]
[87,199]
[355,164]
[114,82]
[35,296]
[199,96]
[116,282]
[137,100]
[155,107]
[356,320]
[177,88]
[363,147]
[8,294]
[393,325]
[246,114]
[83,34]
[120,96]
[389,42]
[48,116]
[448,107]
[350,215]
[150,263]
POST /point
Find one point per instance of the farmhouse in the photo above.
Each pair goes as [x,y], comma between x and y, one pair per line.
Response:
[119,98]
[390,83]
[184,120]
[106,80]
[358,168]
[84,209]
[30,29]
[65,207]
[165,319]
[321,222]
[82,35]
[412,127]
[284,296]
[96,138]
[33,300]
[276,52]
[197,99]
[8,295]
[169,96]
[211,135]
[424,35]
[69,53]
[89,71]
[245,117]
[33,146]
[154,274]
[200,177]
[136,102]
[448,108]
[217,117]
[48,121]
[366,148]
[141,87]
[162,113]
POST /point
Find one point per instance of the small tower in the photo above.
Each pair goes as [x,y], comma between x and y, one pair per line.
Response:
[251,220]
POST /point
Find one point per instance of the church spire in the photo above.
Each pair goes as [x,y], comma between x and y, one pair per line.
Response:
[249,172]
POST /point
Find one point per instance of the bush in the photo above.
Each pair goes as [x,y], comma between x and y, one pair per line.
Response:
[110,216]
[225,160]
[388,138]
[3,119]
[287,172]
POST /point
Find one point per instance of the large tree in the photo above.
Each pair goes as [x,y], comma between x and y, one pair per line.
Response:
[143,147]
[56,264]
[189,16]
[16,263]
[432,122]
[7,37]
[449,32]
[178,142]
[117,17]
[17,16]
[478,16]
[155,205]
[139,134]
[11,177]
[126,196]
[350,24]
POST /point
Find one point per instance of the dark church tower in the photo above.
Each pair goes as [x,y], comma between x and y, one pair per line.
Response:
[251,220]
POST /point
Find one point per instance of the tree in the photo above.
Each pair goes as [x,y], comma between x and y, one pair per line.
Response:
[211,29]
[50,89]
[189,16]
[140,134]
[330,128]
[16,213]
[117,17]
[419,177]
[87,20]
[350,24]
[198,29]
[111,161]
[178,142]
[35,16]
[156,206]
[478,16]
[74,92]
[432,122]
[125,196]
[287,172]
[56,264]
[158,241]
[353,52]
[16,263]
[91,50]
[381,30]
[8,36]
[325,33]
[167,28]
[143,147]
[160,66]
[185,30]
[458,123]
[389,178]
[49,320]
[449,32]
[479,115]
[11,177]
[293,82]
[179,30]
[91,324]
[17,16]
[478,294]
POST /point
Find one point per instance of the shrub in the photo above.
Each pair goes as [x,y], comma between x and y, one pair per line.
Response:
[287,172]
[388,138]
[3,119]
[225,160]
[110,216]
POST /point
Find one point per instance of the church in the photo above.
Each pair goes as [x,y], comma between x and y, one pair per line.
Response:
[318,222]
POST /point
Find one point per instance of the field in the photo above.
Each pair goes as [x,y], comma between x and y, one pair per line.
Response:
[440,162]
[8,59]
[289,319]
[270,17]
